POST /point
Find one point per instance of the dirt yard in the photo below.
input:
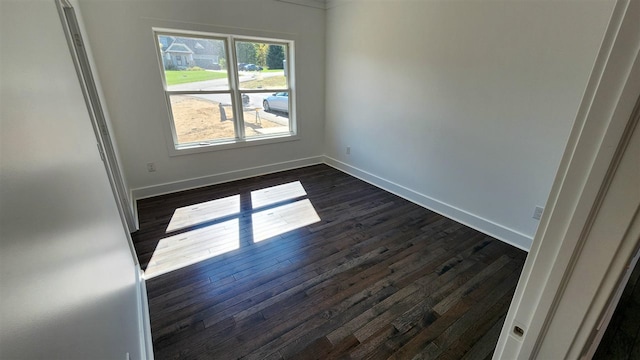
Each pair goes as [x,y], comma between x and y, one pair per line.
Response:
[200,120]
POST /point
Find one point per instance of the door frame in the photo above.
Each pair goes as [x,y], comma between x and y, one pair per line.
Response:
[597,143]
[81,60]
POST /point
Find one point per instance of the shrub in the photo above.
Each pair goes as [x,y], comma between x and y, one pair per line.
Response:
[195,68]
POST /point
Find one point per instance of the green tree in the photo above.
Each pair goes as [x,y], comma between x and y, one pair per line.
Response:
[246,52]
[275,56]
[261,54]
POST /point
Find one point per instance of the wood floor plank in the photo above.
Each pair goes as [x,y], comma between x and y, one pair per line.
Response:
[336,316]
[246,270]
[473,318]
[485,347]
[305,310]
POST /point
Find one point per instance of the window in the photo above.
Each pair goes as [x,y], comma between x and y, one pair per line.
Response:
[223,90]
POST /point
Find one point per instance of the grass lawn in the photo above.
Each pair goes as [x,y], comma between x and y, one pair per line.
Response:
[175,77]
[267,83]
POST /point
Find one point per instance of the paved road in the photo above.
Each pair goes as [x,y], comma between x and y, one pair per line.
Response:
[255,100]
[255,104]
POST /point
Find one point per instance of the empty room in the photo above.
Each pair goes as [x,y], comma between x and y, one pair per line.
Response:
[310,179]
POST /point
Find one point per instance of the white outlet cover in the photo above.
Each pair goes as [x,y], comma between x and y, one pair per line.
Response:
[537,213]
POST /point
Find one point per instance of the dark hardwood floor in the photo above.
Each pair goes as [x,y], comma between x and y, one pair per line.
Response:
[621,340]
[315,264]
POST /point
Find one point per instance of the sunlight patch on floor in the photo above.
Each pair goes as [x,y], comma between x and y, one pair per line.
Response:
[273,211]
[276,194]
[281,219]
[204,212]
[177,251]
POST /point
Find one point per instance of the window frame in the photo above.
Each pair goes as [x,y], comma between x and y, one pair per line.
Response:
[234,91]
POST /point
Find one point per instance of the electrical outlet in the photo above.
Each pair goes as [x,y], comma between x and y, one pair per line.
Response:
[151,167]
[348,150]
[537,213]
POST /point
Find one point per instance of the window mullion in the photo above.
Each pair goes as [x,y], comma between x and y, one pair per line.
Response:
[202,92]
[269,90]
[238,120]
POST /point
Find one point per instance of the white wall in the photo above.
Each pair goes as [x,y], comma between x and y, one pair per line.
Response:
[125,55]
[463,106]
[67,276]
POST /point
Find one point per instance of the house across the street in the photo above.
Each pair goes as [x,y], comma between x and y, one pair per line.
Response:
[181,53]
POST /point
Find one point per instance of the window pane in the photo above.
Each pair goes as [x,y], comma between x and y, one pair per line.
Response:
[193,63]
[202,118]
[261,65]
[265,113]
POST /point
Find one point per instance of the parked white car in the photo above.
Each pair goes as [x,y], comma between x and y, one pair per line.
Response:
[277,102]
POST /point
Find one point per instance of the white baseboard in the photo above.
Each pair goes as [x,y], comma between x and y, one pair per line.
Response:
[497,231]
[161,189]
[144,323]
[488,227]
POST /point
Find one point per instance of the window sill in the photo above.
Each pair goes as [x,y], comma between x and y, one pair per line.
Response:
[227,145]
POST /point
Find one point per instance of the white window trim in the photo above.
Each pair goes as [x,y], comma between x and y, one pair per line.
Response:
[235,93]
